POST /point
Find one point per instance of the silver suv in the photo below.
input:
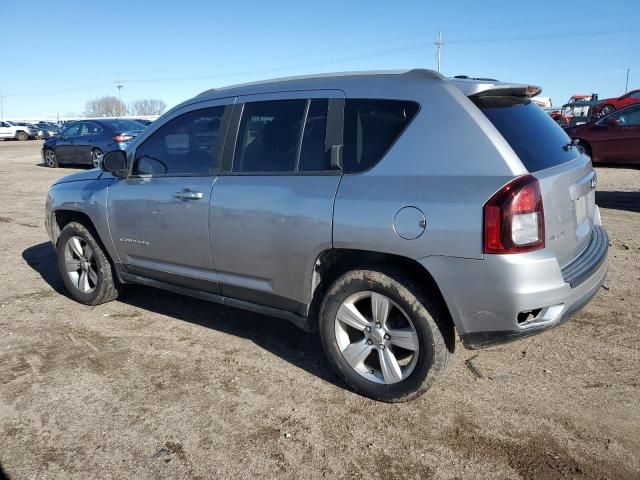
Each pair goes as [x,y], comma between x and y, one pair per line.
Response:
[386,210]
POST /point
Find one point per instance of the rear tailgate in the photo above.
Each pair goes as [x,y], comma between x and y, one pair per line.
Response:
[568,193]
[566,176]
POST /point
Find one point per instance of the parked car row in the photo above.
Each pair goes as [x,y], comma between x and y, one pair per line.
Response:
[12,130]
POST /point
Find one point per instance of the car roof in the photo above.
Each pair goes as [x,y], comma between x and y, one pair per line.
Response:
[468,86]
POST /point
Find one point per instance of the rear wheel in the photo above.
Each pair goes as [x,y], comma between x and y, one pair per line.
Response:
[50,158]
[96,153]
[22,136]
[86,271]
[385,338]
[607,109]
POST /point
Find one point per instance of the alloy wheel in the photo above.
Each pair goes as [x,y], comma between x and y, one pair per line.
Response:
[376,337]
[50,158]
[80,264]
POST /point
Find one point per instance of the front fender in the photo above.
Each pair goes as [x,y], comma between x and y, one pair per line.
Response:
[88,198]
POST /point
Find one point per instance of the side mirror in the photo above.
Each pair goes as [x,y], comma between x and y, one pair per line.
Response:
[115,162]
[613,122]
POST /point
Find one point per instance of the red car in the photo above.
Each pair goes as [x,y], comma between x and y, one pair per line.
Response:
[614,138]
[612,104]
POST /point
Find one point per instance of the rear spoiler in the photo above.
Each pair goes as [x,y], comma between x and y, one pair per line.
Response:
[528,91]
[474,88]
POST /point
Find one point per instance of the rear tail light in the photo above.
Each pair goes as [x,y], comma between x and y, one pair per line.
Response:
[514,218]
[123,138]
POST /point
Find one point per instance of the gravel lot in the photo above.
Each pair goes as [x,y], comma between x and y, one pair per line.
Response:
[156,385]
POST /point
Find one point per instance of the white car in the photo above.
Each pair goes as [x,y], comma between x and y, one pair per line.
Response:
[14,131]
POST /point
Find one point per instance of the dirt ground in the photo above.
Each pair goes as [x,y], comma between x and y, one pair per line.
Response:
[156,385]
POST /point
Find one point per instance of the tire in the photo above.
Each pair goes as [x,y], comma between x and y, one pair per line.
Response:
[22,136]
[74,248]
[50,158]
[607,109]
[95,153]
[420,324]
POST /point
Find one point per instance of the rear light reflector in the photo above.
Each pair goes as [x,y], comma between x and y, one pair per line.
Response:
[123,138]
[514,218]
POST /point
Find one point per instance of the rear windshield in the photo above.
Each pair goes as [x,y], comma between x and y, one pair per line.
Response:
[125,125]
[534,136]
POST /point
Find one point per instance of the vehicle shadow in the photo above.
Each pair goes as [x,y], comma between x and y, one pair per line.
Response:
[3,475]
[275,335]
[629,201]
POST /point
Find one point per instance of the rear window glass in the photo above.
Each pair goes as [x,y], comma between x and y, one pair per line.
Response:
[370,128]
[125,125]
[534,136]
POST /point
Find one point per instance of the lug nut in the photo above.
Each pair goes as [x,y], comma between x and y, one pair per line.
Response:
[378,325]
[381,347]
[387,336]
[369,342]
[367,329]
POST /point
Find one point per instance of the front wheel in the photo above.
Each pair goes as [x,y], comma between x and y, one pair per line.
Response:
[21,136]
[84,266]
[385,338]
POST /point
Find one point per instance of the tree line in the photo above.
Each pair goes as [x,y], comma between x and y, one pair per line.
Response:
[110,106]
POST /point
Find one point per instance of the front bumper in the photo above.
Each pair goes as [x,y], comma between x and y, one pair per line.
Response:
[506,297]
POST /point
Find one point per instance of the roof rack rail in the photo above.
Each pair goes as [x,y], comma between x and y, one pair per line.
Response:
[424,73]
[483,79]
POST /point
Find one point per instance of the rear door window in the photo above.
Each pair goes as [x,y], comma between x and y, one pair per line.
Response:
[371,127]
[534,136]
[269,136]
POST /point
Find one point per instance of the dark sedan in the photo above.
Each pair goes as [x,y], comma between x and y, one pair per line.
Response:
[84,141]
[614,138]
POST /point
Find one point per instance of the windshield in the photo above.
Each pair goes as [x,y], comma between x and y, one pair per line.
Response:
[534,136]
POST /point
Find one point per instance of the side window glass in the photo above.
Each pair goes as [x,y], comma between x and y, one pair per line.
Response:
[73,130]
[184,145]
[629,117]
[90,129]
[370,128]
[313,154]
[635,94]
[269,135]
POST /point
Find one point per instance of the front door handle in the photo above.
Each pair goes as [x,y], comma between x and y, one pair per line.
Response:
[187,194]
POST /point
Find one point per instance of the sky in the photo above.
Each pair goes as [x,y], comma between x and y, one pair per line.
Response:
[59,54]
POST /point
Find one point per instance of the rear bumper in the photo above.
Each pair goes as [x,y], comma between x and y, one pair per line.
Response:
[506,297]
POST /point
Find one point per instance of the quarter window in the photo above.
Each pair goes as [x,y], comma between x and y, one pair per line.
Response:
[370,128]
[185,145]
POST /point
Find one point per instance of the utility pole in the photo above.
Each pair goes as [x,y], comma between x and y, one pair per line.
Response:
[439,45]
[119,85]
[626,85]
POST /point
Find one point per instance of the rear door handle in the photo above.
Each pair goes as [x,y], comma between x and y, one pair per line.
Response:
[187,194]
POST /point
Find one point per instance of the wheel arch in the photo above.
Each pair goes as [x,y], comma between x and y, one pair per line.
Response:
[62,217]
[332,263]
